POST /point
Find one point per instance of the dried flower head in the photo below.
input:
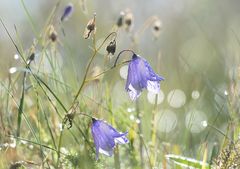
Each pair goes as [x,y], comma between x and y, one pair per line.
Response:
[67,12]
[90,27]
[156,27]
[32,55]
[105,137]
[120,19]
[70,115]
[111,47]
[128,20]
[52,34]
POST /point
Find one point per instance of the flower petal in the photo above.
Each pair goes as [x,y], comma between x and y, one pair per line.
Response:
[107,153]
[121,140]
[105,137]
[153,86]
[133,93]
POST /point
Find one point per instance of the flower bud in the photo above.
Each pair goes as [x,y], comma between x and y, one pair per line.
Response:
[67,12]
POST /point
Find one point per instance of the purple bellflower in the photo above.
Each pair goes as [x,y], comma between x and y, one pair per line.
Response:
[67,12]
[140,76]
[105,137]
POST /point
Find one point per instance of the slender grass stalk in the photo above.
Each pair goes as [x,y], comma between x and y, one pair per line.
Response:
[59,147]
[36,143]
[90,62]
[116,158]
[33,25]
[154,132]
[20,109]
[139,116]
[24,116]
[48,124]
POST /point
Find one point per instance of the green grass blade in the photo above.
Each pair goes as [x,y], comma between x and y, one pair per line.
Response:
[186,162]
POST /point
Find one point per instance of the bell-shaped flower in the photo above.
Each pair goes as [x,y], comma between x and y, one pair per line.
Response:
[67,12]
[140,76]
[105,137]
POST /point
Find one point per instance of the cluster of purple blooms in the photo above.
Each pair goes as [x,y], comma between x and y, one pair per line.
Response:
[140,76]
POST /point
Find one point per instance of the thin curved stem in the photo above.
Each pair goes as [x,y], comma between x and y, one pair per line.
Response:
[105,71]
[126,50]
[112,33]
[84,114]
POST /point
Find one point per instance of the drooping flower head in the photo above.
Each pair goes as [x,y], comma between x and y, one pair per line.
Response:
[105,137]
[156,27]
[91,27]
[67,12]
[140,76]
[128,19]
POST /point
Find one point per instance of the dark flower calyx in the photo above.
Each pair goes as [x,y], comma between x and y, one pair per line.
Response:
[120,21]
[128,22]
[134,56]
[156,28]
[53,36]
[111,48]
[31,57]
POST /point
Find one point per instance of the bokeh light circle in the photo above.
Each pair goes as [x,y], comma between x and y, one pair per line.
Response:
[176,98]
[151,97]
[195,94]
[166,121]
[194,121]
[124,71]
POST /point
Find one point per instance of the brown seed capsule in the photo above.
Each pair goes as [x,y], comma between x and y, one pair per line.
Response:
[120,19]
[128,20]
[32,55]
[156,28]
[90,27]
[52,34]
[111,48]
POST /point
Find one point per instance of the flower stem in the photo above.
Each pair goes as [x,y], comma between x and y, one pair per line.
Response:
[140,133]
[153,132]
[90,62]
[116,158]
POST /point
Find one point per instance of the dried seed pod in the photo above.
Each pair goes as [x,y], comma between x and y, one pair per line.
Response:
[52,34]
[156,28]
[32,55]
[111,47]
[69,117]
[120,19]
[67,12]
[90,27]
[128,20]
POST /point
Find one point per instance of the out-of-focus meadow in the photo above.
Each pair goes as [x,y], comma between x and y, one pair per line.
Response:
[54,75]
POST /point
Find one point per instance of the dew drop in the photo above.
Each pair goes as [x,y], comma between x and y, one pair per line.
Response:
[12,70]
